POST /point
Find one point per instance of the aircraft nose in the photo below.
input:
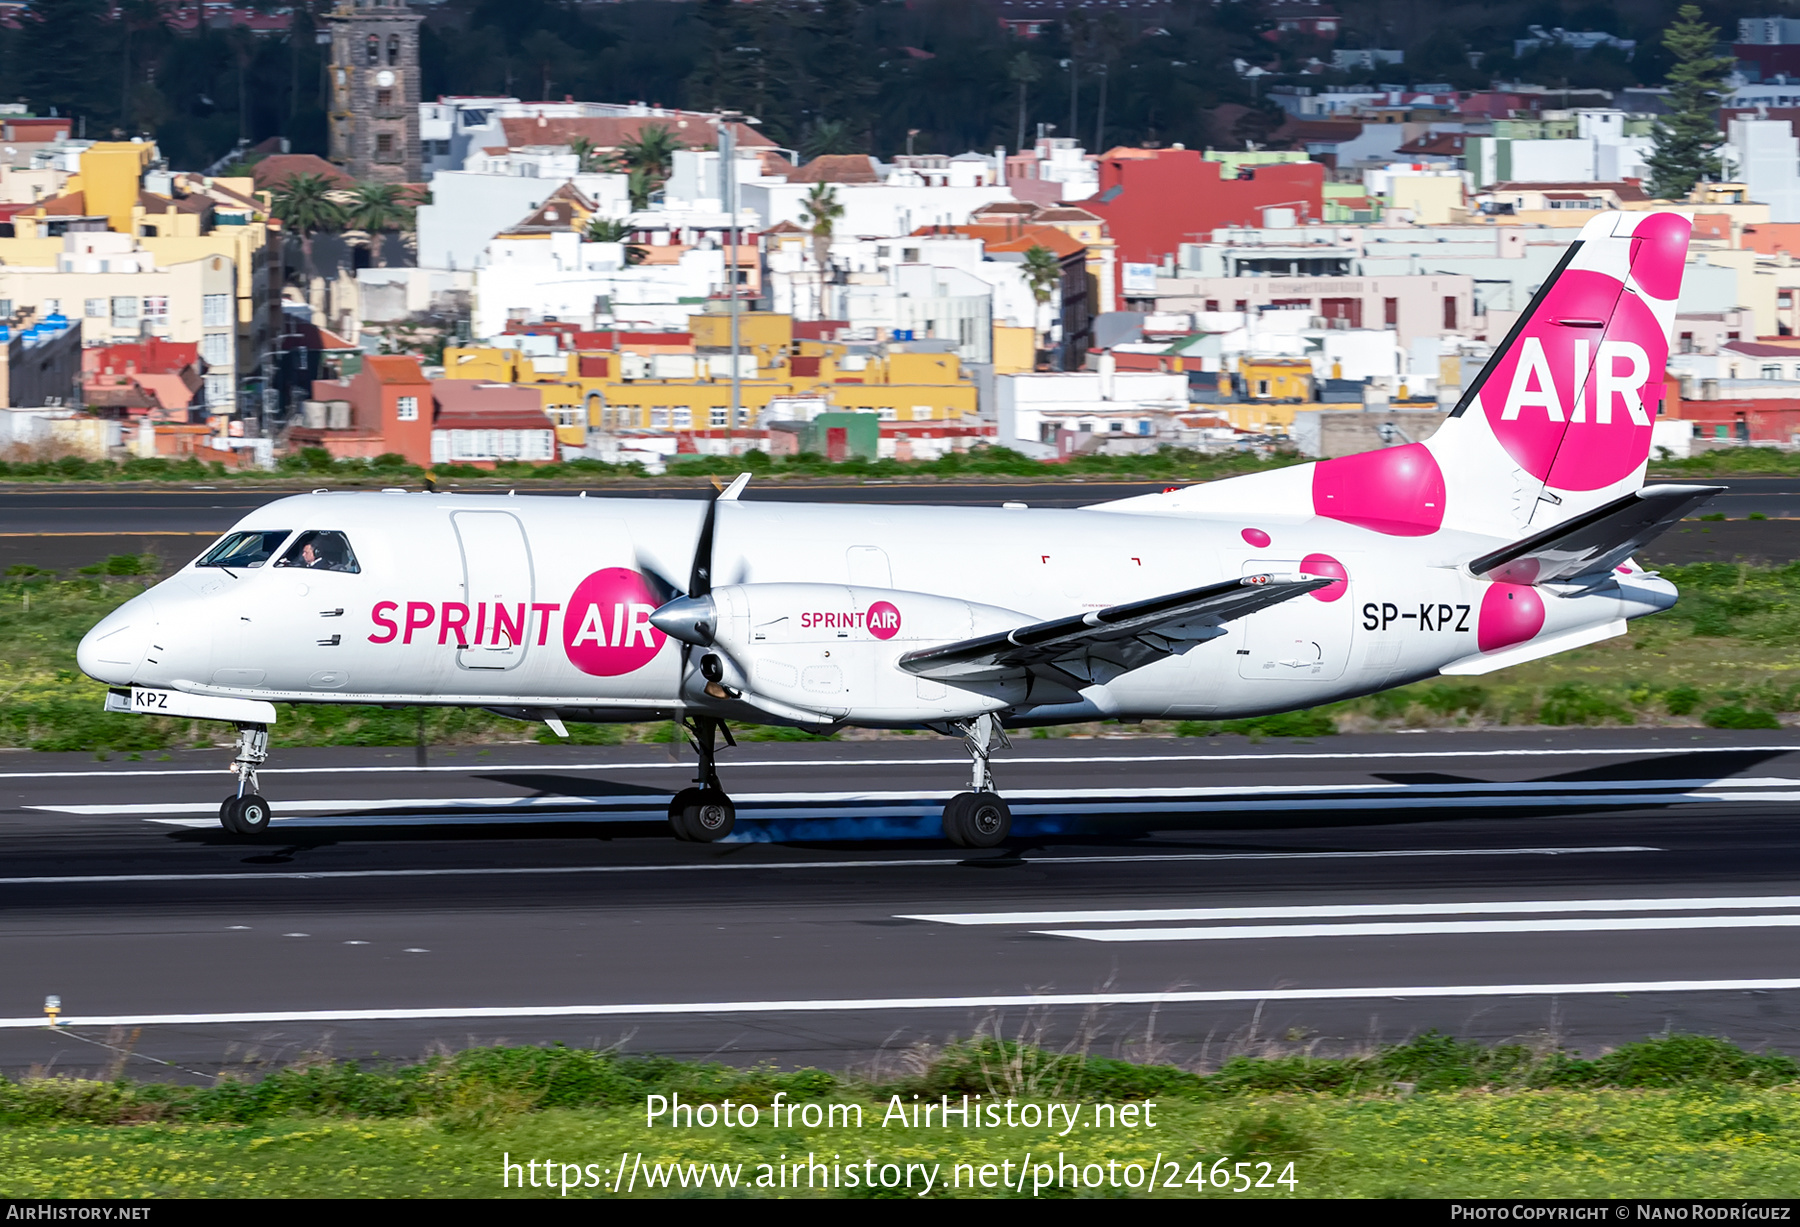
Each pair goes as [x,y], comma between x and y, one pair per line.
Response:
[114,649]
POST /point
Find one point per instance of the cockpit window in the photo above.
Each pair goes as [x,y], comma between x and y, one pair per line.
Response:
[321,550]
[250,549]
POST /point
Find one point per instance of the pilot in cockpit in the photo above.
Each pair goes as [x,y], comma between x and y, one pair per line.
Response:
[321,551]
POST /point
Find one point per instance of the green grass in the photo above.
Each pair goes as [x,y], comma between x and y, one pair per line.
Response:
[1679,1115]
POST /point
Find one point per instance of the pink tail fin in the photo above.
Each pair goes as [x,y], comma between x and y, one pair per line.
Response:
[1559,420]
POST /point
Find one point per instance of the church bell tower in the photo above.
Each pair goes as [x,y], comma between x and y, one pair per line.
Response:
[375,90]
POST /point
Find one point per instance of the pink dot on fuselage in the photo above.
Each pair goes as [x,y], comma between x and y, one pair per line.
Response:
[1325,564]
[1510,613]
[1256,537]
[1396,490]
[1659,252]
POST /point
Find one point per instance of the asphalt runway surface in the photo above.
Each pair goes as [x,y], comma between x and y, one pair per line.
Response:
[1168,898]
[64,527]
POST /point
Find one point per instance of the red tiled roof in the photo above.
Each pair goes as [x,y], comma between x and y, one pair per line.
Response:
[1754,349]
[837,168]
[276,169]
[473,404]
[1624,191]
[394,368]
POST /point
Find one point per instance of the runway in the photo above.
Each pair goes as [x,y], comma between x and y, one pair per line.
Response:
[1182,897]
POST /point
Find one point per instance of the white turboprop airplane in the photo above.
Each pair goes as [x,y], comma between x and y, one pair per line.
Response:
[1505,537]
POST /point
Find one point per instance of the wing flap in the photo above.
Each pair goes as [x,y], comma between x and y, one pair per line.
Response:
[1595,542]
[1093,648]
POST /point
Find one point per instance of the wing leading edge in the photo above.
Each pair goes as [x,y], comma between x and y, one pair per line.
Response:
[1094,648]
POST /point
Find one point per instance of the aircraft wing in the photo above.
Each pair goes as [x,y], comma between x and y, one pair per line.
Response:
[1093,648]
[1594,543]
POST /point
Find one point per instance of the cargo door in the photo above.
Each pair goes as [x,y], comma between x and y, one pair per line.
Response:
[497,587]
[1301,640]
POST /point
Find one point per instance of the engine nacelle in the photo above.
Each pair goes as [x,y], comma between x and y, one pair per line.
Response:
[828,651]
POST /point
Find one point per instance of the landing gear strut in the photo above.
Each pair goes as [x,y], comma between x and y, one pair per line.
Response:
[703,814]
[245,812]
[979,818]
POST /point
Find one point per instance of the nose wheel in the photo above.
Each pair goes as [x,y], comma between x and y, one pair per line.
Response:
[704,814]
[979,818]
[245,812]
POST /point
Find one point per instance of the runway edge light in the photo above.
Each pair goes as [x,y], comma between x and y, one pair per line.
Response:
[52,1007]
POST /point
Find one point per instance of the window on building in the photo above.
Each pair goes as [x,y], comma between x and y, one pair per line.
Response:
[1390,311]
[374,48]
[1242,304]
[659,415]
[1212,304]
[95,308]
[887,413]
[384,143]
[721,415]
[125,308]
[393,49]
[1262,387]
[218,393]
[1771,372]
[215,347]
[215,310]
[1731,336]
[1687,343]
[156,306]
[406,408]
[684,417]
[1449,313]
[923,413]
[384,99]
[53,306]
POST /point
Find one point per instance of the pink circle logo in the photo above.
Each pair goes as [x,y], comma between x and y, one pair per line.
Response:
[1256,537]
[1325,564]
[606,629]
[883,620]
[1572,402]
[1510,613]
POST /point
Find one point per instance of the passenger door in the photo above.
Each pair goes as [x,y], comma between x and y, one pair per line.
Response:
[497,586]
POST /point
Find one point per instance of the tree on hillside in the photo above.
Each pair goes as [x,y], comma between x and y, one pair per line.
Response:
[647,159]
[1022,70]
[60,48]
[1688,137]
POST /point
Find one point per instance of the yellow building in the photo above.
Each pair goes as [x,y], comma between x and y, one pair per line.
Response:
[193,219]
[792,379]
[1276,378]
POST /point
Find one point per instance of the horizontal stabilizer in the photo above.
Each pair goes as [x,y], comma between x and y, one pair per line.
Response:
[1593,543]
[1093,648]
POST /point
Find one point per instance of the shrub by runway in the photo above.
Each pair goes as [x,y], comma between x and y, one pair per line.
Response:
[1678,1116]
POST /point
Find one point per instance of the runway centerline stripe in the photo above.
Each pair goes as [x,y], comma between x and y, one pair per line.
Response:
[1708,903]
[1414,928]
[334,874]
[961,761]
[979,1002]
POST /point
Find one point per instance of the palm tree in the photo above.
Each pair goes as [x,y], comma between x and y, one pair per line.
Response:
[828,136]
[374,207]
[305,206]
[1043,274]
[608,230]
[588,159]
[652,153]
[821,211]
[638,187]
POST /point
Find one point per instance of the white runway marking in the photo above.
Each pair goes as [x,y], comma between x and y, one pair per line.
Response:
[1414,928]
[1334,796]
[303,876]
[991,1002]
[1710,903]
[687,763]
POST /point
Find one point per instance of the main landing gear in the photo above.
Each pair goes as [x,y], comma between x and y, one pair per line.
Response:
[704,814]
[979,818]
[245,812]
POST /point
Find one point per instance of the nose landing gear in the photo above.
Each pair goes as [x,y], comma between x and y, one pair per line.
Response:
[979,818]
[704,814]
[245,812]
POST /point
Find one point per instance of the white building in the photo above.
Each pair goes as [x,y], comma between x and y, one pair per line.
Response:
[1032,409]
[563,277]
[1764,155]
[469,208]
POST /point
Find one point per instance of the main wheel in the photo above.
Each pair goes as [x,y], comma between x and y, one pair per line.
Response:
[706,816]
[986,821]
[956,811]
[246,815]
